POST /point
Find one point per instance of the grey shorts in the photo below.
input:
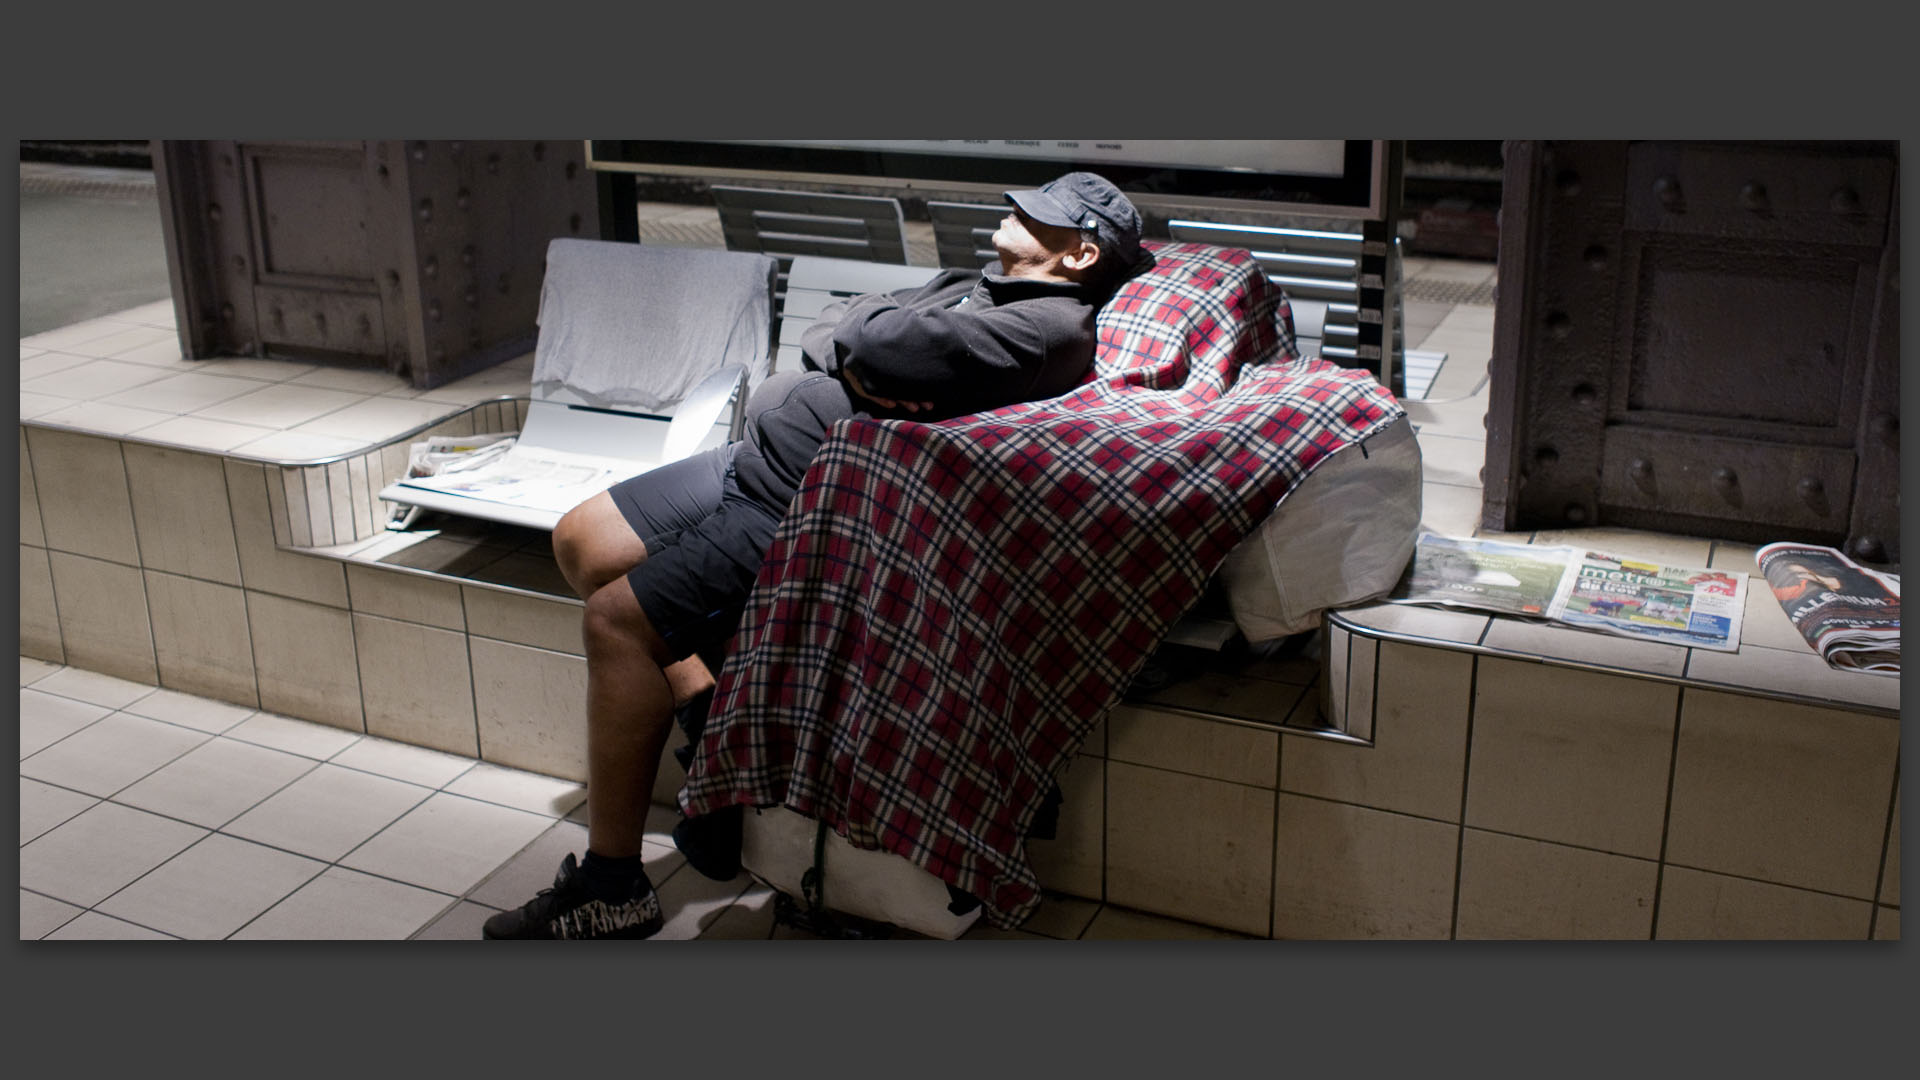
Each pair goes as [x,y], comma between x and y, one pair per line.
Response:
[705,543]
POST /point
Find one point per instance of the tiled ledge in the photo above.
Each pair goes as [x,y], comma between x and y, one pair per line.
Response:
[1767,664]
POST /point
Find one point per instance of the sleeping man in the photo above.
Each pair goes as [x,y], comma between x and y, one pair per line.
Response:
[667,560]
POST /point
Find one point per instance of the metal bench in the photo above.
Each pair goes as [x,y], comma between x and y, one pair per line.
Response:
[791,224]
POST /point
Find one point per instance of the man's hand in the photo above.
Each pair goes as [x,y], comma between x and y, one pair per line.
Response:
[853,384]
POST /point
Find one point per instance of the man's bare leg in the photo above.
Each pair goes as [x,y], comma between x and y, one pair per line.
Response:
[594,545]
[630,703]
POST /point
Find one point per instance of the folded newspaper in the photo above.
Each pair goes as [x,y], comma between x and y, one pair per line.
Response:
[1582,588]
[1848,613]
[500,469]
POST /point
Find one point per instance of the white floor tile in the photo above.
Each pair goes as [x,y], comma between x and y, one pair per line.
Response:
[264,369]
[93,380]
[215,782]
[462,923]
[376,420]
[93,856]
[691,902]
[327,812]
[341,905]
[42,915]
[94,926]
[47,363]
[201,714]
[110,754]
[211,889]
[124,340]
[34,406]
[400,761]
[521,790]
[353,380]
[281,405]
[105,419]
[94,688]
[32,671]
[1120,923]
[43,806]
[520,878]
[165,354]
[199,434]
[47,718]
[447,843]
[295,446]
[185,392]
[301,737]
[750,918]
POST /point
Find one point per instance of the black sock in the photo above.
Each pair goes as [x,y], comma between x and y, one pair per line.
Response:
[613,878]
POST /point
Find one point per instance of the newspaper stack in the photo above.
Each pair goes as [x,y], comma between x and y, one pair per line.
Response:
[1848,613]
[1592,590]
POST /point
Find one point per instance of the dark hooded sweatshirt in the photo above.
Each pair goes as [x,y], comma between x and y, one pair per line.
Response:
[967,341]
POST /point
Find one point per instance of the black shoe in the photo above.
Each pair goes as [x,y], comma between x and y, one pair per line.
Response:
[570,910]
[711,842]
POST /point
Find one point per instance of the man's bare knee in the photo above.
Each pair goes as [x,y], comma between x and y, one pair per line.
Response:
[593,544]
[615,626]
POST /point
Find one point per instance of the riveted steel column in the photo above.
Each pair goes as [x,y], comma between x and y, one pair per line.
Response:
[422,257]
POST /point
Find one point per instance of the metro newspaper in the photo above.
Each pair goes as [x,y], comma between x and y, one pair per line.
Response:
[1578,587]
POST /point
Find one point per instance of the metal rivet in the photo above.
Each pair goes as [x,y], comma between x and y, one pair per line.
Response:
[493,163]
[1576,513]
[1640,469]
[466,255]
[213,212]
[1811,487]
[433,311]
[573,223]
[226,312]
[419,151]
[431,267]
[278,318]
[1546,455]
[381,172]
[1845,201]
[453,147]
[461,198]
[1667,189]
[1886,427]
[539,151]
[366,326]
[1596,257]
[1559,324]
[1725,479]
[1567,181]
[240,263]
[573,168]
[320,322]
[393,278]
[1754,196]
[502,282]
[472,298]
[426,209]
[1869,548]
[1585,394]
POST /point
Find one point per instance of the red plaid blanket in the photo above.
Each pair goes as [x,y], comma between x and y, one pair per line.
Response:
[949,608]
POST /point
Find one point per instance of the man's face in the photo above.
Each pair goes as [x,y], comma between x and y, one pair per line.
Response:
[1024,242]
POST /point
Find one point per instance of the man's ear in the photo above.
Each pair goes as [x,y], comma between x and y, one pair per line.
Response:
[1082,258]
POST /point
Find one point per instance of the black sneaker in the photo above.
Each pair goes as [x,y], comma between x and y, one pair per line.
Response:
[570,910]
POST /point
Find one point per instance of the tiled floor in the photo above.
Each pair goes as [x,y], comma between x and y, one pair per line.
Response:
[147,813]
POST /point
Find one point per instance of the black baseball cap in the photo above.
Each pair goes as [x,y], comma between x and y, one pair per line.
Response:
[1084,200]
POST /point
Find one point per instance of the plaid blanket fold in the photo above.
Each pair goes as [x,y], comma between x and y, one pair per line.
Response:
[949,608]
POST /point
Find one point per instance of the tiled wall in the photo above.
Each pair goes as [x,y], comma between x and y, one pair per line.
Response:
[1501,799]
[161,566]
